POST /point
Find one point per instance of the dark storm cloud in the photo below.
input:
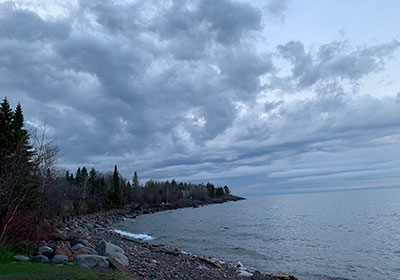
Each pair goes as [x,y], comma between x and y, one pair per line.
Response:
[173,89]
[114,79]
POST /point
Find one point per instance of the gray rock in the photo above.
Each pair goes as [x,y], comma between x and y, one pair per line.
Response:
[45,249]
[90,260]
[121,258]
[60,235]
[79,246]
[244,273]
[81,241]
[107,248]
[21,258]
[41,259]
[104,264]
[58,259]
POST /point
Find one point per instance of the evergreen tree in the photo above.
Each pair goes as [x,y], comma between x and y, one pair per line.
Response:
[219,192]
[93,182]
[19,134]
[227,190]
[135,181]
[136,196]
[78,177]
[211,190]
[19,187]
[116,197]
[6,129]
[103,193]
[84,179]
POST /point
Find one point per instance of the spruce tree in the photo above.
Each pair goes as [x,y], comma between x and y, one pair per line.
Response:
[6,130]
[78,177]
[93,182]
[19,187]
[135,188]
[19,134]
[116,188]
[84,179]
[135,181]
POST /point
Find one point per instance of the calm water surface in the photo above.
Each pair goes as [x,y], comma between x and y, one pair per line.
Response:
[350,235]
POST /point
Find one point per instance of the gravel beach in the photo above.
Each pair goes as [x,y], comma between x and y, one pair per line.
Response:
[148,261]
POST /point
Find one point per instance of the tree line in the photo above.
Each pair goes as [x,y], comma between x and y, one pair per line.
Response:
[34,188]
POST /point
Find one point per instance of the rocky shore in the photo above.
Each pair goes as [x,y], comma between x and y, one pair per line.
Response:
[145,260]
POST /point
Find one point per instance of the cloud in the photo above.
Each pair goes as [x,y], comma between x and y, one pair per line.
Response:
[186,90]
[277,8]
[26,26]
[335,60]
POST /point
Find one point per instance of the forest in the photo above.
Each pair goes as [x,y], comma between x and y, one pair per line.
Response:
[35,192]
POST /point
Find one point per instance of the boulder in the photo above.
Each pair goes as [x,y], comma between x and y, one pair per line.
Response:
[80,241]
[41,259]
[244,273]
[59,235]
[90,250]
[104,264]
[107,248]
[76,253]
[63,249]
[45,249]
[90,260]
[59,259]
[283,276]
[79,246]
[21,258]
[121,258]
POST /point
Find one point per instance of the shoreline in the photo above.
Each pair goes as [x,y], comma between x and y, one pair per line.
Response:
[149,261]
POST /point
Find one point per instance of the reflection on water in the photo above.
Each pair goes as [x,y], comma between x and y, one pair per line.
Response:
[353,234]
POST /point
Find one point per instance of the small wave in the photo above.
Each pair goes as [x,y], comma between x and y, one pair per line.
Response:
[134,235]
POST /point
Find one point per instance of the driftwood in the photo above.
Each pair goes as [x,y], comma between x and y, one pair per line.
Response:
[115,264]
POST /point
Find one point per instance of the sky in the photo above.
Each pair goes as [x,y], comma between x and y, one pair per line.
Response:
[267,97]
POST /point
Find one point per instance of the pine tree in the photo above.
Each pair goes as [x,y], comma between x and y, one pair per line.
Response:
[78,176]
[6,129]
[135,181]
[84,179]
[136,188]
[227,190]
[116,188]
[93,182]
[19,134]
[19,188]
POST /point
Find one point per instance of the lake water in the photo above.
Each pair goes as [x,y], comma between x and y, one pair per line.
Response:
[337,235]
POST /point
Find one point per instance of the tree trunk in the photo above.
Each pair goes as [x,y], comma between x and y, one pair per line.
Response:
[3,214]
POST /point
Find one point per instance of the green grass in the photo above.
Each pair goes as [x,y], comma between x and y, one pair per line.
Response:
[11,269]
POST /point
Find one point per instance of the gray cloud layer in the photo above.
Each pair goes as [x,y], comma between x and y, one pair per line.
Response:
[179,89]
